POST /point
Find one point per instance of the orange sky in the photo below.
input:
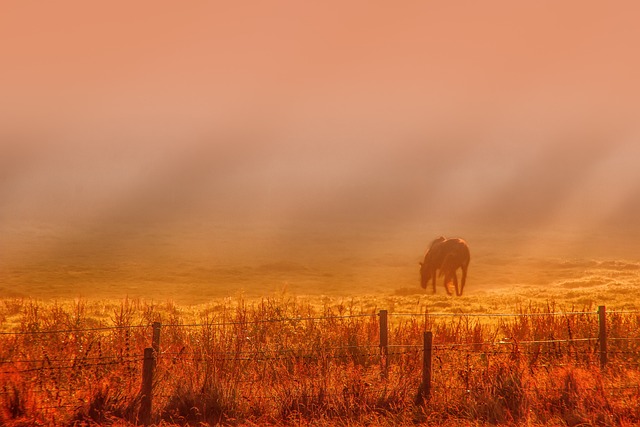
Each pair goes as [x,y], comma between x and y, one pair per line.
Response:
[527,112]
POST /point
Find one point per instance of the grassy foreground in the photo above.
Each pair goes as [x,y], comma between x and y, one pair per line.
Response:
[287,360]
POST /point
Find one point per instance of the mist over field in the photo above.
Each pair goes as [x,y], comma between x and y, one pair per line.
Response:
[191,152]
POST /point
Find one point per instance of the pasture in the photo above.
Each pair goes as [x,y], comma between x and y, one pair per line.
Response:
[270,327]
[195,263]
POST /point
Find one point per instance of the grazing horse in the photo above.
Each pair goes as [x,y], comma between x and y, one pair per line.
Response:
[445,255]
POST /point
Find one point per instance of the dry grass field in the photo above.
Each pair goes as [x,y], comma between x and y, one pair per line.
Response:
[289,360]
[197,262]
[288,333]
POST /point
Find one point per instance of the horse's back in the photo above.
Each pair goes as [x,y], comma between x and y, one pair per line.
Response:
[455,243]
[457,247]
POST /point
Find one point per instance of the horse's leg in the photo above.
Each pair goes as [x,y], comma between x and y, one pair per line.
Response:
[465,267]
[433,280]
[455,282]
[447,280]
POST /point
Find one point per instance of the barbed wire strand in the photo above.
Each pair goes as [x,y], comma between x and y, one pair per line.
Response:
[282,319]
[68,331]
[427,314]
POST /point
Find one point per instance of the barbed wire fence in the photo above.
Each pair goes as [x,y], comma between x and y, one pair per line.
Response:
[445,361]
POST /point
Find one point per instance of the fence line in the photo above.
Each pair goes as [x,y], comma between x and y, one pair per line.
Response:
[154,353]
[312,318]
[435,346]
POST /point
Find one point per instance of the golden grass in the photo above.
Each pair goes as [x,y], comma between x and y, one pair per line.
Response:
[289,360]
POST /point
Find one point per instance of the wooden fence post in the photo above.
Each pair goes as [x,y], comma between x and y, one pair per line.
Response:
[155,340]
[384,344]
[602,335]
[146,391]
[424,392]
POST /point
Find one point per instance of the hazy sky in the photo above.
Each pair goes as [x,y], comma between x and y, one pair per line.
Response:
[488,114]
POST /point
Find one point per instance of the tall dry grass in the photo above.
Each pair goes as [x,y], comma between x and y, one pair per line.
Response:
[285,361]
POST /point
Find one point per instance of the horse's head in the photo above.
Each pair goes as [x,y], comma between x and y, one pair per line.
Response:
[426,270]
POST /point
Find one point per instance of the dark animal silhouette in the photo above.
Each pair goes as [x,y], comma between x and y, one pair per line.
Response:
[446,256]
